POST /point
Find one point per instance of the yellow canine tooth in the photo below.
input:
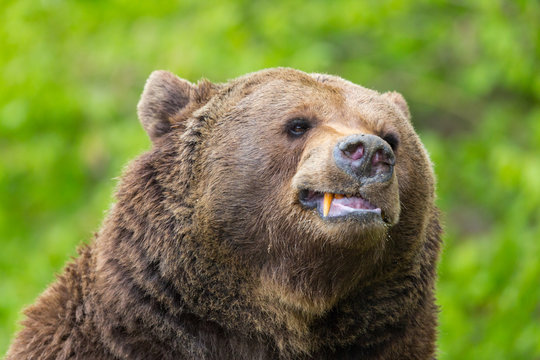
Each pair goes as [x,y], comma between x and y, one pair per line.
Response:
[327,202]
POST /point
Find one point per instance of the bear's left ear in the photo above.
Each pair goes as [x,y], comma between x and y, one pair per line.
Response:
[398,100]
[164,95]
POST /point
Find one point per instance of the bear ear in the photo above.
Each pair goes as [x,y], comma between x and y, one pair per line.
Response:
[398,100]
[164,95]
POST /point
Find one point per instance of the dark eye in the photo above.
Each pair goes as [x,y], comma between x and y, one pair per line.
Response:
[298,127]
[392,140]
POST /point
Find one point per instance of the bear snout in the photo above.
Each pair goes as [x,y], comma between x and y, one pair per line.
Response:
[367,158]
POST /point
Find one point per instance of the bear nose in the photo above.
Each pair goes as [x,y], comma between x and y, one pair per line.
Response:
[365,157]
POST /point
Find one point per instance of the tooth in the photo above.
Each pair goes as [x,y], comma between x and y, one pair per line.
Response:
[339,196]
[327,202]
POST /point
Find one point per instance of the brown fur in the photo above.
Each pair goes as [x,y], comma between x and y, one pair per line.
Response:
[207,253]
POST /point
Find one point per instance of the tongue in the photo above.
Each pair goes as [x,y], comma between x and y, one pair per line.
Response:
[341,205]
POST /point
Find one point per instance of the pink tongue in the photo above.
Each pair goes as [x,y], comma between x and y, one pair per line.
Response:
[347,205]
[354,203]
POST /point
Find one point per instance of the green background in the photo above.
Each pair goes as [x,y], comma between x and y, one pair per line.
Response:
[72,72]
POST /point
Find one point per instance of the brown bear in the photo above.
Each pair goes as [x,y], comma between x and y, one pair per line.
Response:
[281,215]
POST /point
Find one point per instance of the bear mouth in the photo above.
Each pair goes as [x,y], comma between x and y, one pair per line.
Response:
[339,206]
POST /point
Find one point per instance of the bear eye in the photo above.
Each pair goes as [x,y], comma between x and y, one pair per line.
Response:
[298,127]
[392,140]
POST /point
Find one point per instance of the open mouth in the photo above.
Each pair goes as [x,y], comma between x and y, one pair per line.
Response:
[336,205]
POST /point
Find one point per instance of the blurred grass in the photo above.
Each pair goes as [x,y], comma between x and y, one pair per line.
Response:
[72,72]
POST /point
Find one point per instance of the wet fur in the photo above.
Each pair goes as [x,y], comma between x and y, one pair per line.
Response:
[207,255]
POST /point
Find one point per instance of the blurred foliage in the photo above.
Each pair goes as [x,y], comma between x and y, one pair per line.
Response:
[72,72]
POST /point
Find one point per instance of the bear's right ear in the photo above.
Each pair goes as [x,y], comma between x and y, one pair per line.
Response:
[164,95]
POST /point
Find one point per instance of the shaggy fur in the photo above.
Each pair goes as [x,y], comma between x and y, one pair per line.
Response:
[208,253]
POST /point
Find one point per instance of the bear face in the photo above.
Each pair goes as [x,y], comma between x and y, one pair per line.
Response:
[271,146]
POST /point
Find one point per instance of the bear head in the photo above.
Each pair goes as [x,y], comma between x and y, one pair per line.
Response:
[306,184]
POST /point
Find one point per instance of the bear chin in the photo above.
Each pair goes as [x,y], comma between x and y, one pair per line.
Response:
[329,259]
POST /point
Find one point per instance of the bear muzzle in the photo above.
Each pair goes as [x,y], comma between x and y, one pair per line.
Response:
[356,182]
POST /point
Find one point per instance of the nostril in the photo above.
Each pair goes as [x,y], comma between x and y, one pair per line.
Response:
[380,156]
[381,162]
[354,151]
